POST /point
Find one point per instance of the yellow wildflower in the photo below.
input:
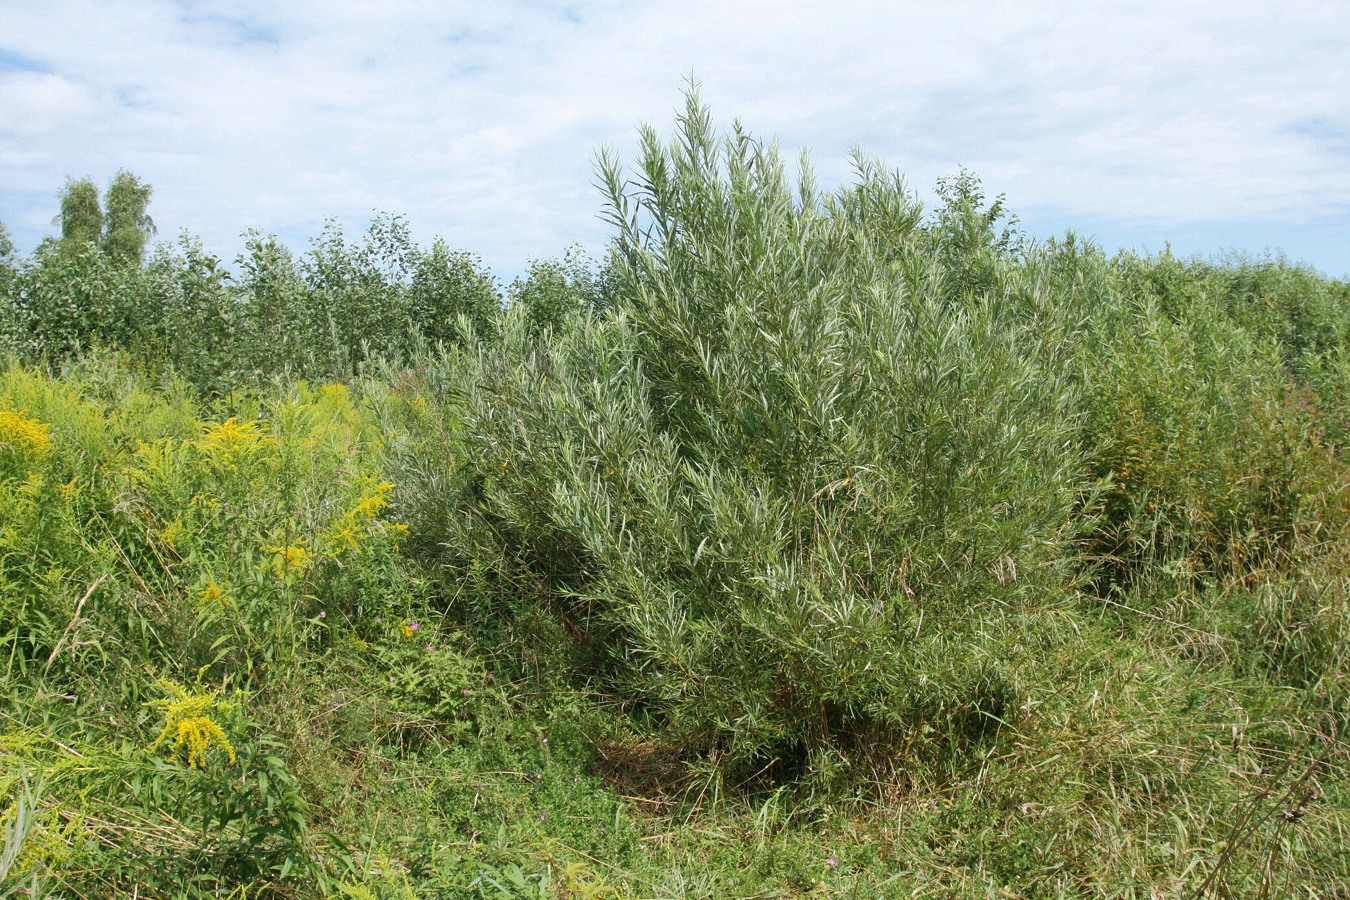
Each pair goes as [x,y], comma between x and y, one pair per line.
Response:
[355,526]
[289,559]
[199,735]
[347,538]
[169,534]
[22,441]
[400,530]
[369,507]
[213,595]
[20,433]
[334,392]
[224,444]
[190,723]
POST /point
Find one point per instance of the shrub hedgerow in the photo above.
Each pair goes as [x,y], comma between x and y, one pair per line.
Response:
[322,315]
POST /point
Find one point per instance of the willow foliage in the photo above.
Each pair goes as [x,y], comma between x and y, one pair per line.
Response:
[800,493]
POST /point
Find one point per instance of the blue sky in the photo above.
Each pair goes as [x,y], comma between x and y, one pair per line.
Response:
[1214,126]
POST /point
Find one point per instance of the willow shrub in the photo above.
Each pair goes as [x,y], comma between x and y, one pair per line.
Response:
[1307,317]
[799,496]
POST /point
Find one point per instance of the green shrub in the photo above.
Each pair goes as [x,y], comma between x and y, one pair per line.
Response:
[280,332]
[197,332]
[1213,456]
[322,315]
[63,301]
[555,292]
[789,499]
[1308,318]
[452,298]
[1303,317]
[357,294]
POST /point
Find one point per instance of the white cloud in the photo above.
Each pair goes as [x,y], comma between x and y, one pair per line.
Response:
[480,121]
[33,104]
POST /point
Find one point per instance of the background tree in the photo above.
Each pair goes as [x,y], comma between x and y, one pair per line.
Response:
[126,227]
[8,252]
[81,216]
[119,226]
[556,290]
[10,313]
[447,285]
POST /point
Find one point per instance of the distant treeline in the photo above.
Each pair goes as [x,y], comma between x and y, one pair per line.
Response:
[319,315]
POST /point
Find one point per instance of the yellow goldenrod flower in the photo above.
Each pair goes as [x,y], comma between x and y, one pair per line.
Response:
[169,534]
[232,434]
[399,531]
[70,490]
[225,444]
[334,392]
[289,559]
[370,506]
[213,595]
[348,537]
[198,735]
[189,723]
[21,440]
[355,526]
[21,433]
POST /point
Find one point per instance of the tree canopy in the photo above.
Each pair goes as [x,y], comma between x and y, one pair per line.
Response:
[119,225]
